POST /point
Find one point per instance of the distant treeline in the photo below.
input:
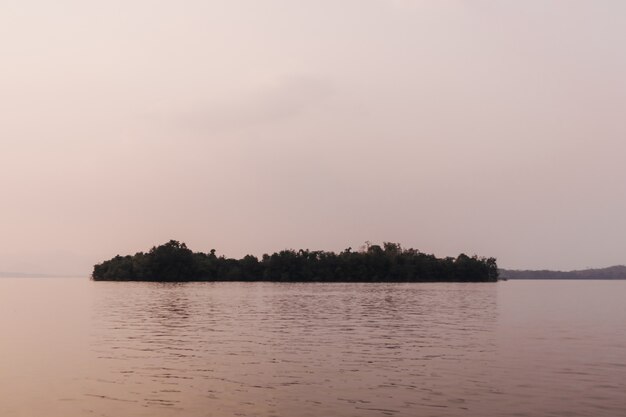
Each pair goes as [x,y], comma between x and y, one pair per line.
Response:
[613,272]
[173,261]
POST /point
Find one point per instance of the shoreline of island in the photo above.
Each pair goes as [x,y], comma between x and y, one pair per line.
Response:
[175,262]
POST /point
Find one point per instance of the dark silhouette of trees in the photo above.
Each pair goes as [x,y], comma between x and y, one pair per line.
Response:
[173,261]
[612,272]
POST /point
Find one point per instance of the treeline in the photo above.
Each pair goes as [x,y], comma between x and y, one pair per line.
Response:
[173,261]
[612,272]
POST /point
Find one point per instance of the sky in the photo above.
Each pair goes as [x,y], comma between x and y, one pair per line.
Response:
[489,127]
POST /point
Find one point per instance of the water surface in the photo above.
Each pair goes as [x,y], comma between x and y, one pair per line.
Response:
[72,347]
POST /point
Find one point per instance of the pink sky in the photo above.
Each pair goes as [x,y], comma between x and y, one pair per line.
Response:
[478,126]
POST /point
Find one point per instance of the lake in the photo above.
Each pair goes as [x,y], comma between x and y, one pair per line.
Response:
[73,347]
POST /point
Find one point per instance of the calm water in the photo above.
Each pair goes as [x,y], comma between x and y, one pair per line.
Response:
[71,347]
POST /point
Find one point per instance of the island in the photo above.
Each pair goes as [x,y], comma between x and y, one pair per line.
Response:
[174,262]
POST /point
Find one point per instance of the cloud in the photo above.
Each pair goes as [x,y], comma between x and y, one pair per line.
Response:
[287,98]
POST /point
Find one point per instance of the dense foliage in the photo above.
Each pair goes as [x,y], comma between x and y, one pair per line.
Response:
[173,261]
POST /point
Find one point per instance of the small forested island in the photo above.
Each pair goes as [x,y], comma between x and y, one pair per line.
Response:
[173,261]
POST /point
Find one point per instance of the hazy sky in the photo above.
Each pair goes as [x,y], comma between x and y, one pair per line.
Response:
[492,127]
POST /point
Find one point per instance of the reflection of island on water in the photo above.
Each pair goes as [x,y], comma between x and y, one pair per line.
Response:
[202,343]
[158,317]
[170,306]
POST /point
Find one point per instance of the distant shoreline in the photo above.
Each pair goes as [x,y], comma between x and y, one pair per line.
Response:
[32,275]
[617,272]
